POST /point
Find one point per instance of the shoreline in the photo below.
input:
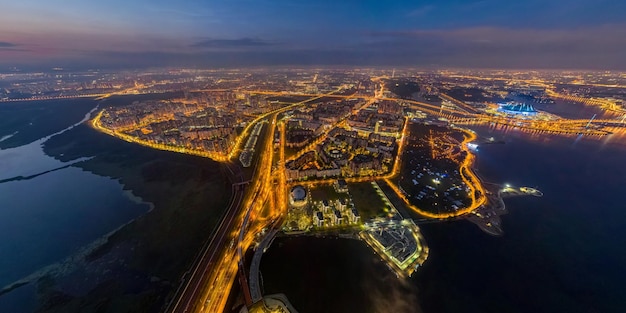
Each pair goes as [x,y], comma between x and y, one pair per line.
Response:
[191,189]
[65,265]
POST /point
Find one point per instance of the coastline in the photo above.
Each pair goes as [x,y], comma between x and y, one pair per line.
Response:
[137,199]
[177,188]
[183,195]
[66,265]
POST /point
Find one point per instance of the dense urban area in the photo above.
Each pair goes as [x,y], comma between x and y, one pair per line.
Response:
[361,153]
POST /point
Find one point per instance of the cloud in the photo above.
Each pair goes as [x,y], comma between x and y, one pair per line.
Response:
[233,43]
[4,44]
[598,47]
[421,11]
[607,35]
[223,58]
[11,48]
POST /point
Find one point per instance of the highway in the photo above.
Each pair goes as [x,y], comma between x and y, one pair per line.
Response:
[207,285]
[198,276]
[226,267]
[219,264]
[208,292]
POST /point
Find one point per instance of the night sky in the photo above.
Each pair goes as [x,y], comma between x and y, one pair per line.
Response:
[575,34]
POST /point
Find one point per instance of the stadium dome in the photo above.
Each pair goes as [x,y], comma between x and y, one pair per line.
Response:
[297,196]
[517,108]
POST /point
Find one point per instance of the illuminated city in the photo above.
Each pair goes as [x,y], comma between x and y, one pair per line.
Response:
[322,156]
[309,153]
[313,140]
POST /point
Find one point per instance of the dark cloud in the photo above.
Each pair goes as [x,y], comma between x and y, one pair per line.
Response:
[392,54]
[480,47]
[232,43]
[609,34]
[232,58]
[4,44]
[590,48]
[11,47]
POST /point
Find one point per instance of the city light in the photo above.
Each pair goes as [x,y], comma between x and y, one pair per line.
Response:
[264,139]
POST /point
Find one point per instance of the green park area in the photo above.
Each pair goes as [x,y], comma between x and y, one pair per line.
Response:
[367,201]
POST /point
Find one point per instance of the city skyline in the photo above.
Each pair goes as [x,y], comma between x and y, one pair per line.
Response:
[580,34]
[282,156]
[222,169]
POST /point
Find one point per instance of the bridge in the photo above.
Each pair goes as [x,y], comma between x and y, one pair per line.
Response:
[591,127]
[94,95]
[603,103]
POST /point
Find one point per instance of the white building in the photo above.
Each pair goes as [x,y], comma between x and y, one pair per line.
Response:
[341,186]
[354,216]
[342,204]
[337,218]
[325,206]
[318,218]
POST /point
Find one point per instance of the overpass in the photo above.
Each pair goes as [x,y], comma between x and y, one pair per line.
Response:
[255,286]
[243,279]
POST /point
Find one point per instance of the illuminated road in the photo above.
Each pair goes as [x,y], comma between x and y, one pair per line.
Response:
[95,95]
[211,291]
[461,104]
[561,126]
[605,104]
[225,270]
[199,276]
[468,115]
[476,191]
[324,134]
